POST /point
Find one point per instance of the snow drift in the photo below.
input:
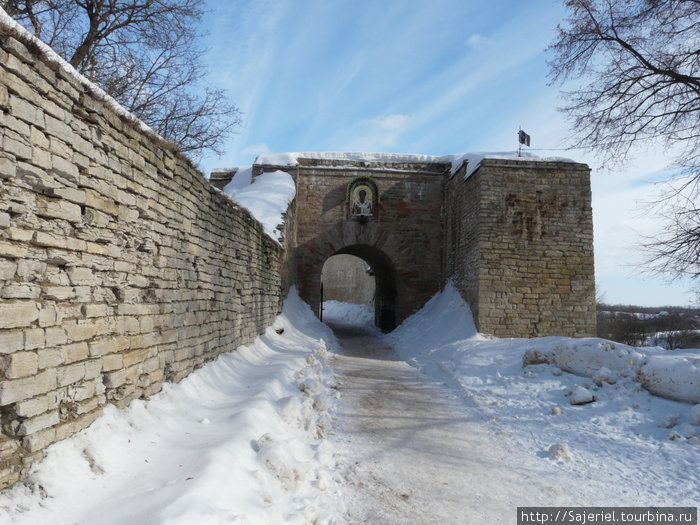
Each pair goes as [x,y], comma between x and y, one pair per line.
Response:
[584,405]
[236,442]
[266,198]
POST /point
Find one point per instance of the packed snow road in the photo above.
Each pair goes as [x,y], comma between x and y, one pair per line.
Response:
[416,453]
[442,425]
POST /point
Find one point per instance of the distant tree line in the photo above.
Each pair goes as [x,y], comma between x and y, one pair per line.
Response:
[670,327]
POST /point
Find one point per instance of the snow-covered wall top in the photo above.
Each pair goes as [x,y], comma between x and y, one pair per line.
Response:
[473,160]
[267,197]
[8,23]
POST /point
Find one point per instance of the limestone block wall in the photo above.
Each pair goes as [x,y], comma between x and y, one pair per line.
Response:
[521,241]
[120,266]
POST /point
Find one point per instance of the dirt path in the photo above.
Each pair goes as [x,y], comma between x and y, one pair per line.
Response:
[417,453]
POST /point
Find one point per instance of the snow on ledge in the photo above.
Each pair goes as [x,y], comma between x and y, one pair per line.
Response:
[473,160]
[291,158]
[267,198]
[11,24]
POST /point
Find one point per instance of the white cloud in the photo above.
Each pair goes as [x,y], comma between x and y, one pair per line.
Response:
[392,123]
[378,133]
[475,40]
[256,149]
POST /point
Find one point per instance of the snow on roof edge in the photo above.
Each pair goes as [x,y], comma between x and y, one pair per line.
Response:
[473,159]
[291,158]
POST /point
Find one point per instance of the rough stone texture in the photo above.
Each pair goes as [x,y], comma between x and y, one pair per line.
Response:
[519,239]
[516,238]
[401,242]
[120,266]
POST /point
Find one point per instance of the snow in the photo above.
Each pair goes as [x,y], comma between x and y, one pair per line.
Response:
[8,22]
[348,313]
[695,415]
[251,437]
[675,376]
[238,441]
[291,159]
[581,396]
[473,159]
[267,198]
[242,178]
[644,445]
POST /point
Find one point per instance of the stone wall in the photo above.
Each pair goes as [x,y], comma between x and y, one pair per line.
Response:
[120,266]
[520,236]
[401,242]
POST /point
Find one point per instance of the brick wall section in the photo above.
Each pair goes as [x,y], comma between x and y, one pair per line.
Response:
[402,242]
[527,267]
[120,266]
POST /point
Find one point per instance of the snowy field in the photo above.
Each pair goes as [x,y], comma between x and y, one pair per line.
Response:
[239,441]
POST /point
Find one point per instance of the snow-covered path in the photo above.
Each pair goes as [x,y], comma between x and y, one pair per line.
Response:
[435,424]
[416,451]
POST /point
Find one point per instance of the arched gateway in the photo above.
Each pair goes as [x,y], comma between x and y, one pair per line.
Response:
[515,236]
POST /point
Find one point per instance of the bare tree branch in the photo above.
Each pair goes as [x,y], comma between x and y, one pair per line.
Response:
[144,54]
[637,63]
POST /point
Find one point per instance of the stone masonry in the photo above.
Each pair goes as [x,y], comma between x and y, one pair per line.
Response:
[120,266]
[519,247]
[401,242]
[515,237]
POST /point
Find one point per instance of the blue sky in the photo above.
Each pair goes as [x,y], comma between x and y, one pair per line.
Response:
[418,76]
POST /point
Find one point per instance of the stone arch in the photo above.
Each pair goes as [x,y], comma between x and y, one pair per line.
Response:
[380,248]
[385,282]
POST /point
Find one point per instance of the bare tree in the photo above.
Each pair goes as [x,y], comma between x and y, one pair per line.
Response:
[143,53]
[637,65]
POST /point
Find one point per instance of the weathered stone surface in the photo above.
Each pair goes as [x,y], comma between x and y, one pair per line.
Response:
[113,252]
[20,291]
[18,314]
[31,270]
[13,390]
[37,423]
[13,251]
[34,338]
[80,332]
[32,407]
[7,269]
[112,362]
[20,364]
[108,346]
[11,341]
[59,209]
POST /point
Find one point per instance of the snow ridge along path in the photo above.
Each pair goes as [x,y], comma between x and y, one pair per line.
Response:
[237,442]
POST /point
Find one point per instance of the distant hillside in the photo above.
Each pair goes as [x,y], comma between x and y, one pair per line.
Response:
[670,327]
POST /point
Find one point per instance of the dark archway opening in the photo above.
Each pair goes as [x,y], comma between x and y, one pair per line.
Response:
[381,267]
